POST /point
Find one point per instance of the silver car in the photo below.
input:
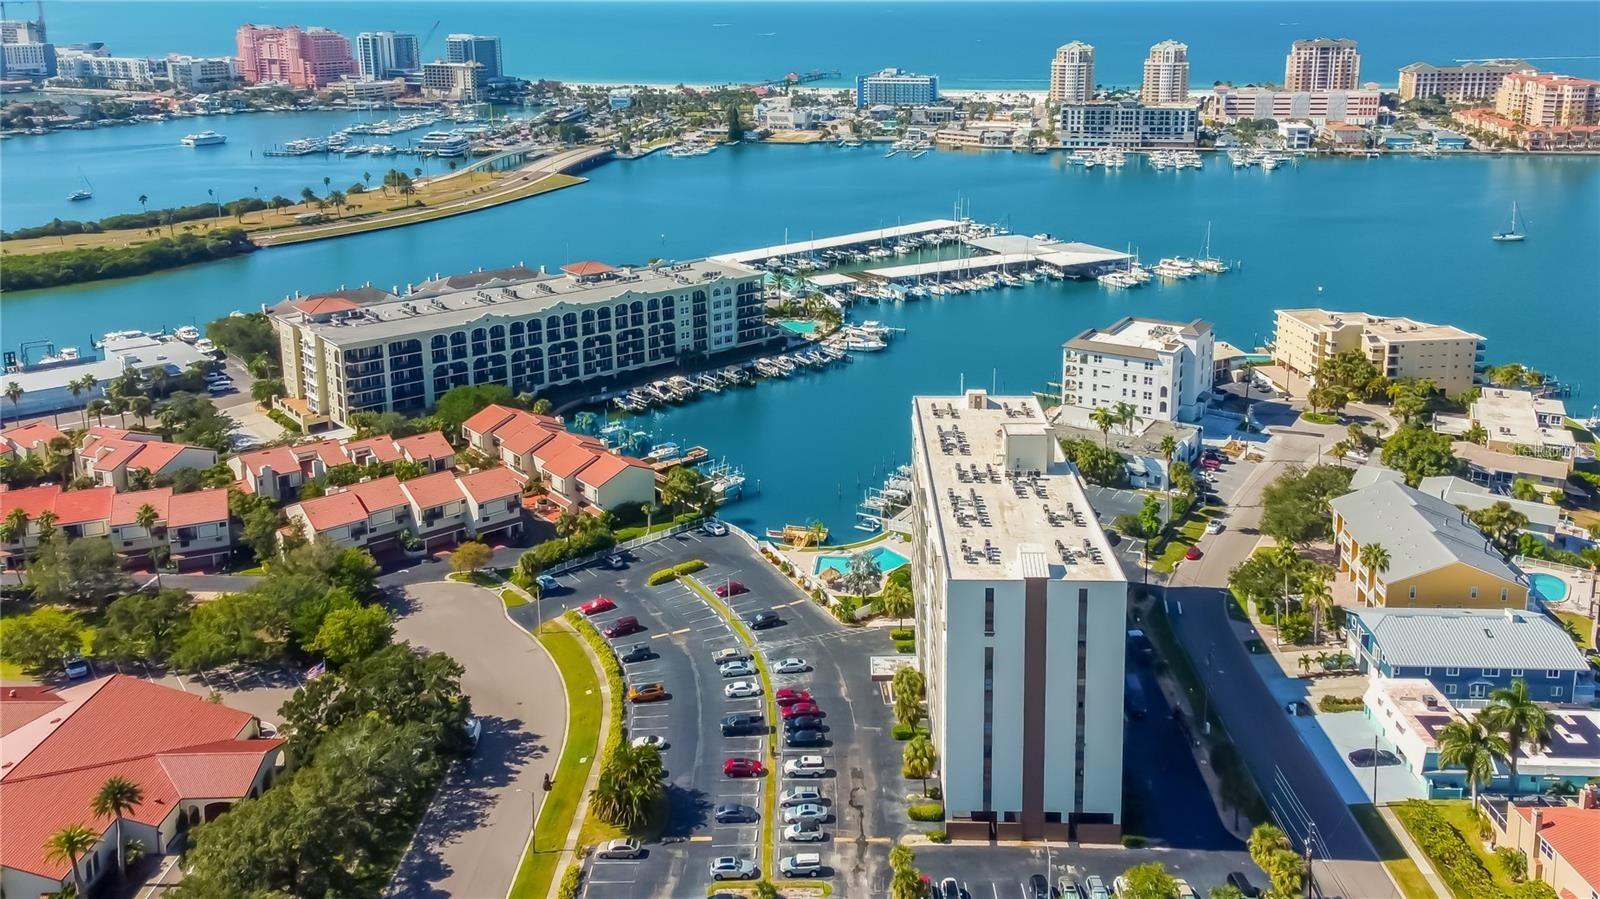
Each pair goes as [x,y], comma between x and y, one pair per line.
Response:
[620,849]
[800,796]
[732,867]
[737,668]
[808,813]
[804,833]
[790,666]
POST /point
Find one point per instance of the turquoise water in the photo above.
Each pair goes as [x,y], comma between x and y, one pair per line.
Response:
[1548,586]
[988,44]
[886,559]
[799,327]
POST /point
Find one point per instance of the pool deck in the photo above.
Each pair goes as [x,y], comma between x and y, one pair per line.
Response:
[805,561]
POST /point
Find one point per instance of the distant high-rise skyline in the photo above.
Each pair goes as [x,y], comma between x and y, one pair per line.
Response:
[385,54]
[479,48]
[1072,73]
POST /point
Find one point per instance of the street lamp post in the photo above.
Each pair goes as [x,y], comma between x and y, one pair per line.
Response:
[1205,689]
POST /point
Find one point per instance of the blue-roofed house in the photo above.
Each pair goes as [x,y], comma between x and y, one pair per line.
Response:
[1467,654]
[1399,141]
[1447,141]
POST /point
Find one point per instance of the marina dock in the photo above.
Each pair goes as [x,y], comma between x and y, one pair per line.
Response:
[859,238]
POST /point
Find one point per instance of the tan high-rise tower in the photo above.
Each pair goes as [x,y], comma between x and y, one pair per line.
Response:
[1323,64]
[1072,74]
[1166,74]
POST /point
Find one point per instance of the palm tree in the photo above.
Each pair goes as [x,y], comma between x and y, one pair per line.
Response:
[146,518]
[1523,722]
[98,408]
[1103,418]
[366,178]
[69,844]
[630,786]
[47,525]
[337,198]
[14,393]
[1169,448]
[1375,559]
[15,526]
[1127,416]
[308,196]
[327,181]
[1468,744]
[142,201]
[649,510]
[117,797]
[1316,597]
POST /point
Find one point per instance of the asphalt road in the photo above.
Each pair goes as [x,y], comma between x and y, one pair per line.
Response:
[471,841]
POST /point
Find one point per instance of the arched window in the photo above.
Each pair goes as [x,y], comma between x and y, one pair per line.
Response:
[497,338]
[1163,391]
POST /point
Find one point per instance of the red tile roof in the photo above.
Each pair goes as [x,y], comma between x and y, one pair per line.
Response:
[80,506]
[125,506]
[383,493]
[607,466]
[1574,833]
[488,418]
[381,448]
[174,745]
[324,305]
[492,484]
[28,436]
[587,268]
[431,445]
[569,463]
[280,459]
[199,507]
[523,437]
[109,449]
[333,510]
[25,702]
[433,490]
[31,500]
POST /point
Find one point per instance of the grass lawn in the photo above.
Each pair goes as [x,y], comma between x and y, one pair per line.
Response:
[1459,814]
[1580,626]
[11,673]
[1413,885]
[1321,418]
[476,578]
[512,599]
[1186,535]
[540,865]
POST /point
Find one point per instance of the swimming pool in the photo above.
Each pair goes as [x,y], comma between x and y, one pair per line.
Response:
[1548,586]
[886,559]
[799,326]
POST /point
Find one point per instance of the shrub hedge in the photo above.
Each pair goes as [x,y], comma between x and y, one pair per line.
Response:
[657,578]
[571,881]
[689,567]
[926,811]
[1463,871]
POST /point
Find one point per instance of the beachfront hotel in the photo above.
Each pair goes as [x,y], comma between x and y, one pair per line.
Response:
[1166,74]
[1459,83]
[892,87]
[1020,624]
[1323,64]
[1072,73]
[1548,100]
[1399,347]
[371,350]
[310,58]
[1126,124]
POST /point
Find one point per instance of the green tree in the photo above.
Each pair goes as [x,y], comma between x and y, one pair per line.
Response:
[143,627]
[115,799]
[1104,418]
[69,844]
[146,519]
[919,760]
[908,686]
[630,786]
[1264,840]
[1317,598]
[1524,723]
[1225,891]
[396,683]
[1150,881]
[1419,453]
[348,634]
[461,403]
[735,126]
[470,556]
[1500,523]
[1150,517]
[1524,489]
[234,627]
[683,487]
[905,881]
[1468,744]
[1295,506]
[40,640]
[896,600]
[78,571]
[861,575]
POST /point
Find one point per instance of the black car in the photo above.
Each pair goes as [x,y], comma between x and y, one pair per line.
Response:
[804,738]
[734,813]
[802,722]
[763,620]
[1238,881]
[740,723]
[1038,887]
[637,652]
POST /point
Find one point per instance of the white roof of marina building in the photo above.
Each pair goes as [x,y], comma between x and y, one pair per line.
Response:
[839,240]
[1466,638]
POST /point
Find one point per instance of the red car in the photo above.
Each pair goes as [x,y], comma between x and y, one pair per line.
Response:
[741,767]
[787,696]
[731,588]
[1193,553]
[597,605]
[1209,463]
[622,627]
[802,708]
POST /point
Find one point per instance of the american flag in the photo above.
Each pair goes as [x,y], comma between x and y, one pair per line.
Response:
[317,670]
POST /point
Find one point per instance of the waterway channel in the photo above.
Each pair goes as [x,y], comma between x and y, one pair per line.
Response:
[1395,235]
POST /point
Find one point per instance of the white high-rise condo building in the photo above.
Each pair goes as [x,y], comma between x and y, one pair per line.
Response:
[1072,73]
[1126,123]
[1162,369]
[477,48]
[893,87]
[385,54]
[1166,74]
[1323,64]
[1020,625]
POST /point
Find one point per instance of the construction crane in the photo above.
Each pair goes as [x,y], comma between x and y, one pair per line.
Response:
[428,37]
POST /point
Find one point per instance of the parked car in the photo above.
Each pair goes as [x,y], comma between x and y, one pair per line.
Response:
[637,652]
[741,723]
[217,389]
[732,654]
[652,692]
[730,588]
[737,668]
[77,667]
[949,889]
[616,561]
[809,811]
[547,583]
[734,813]
[714,528]
[790,666]
[623,848]
[760,621]
[597,605]
[1238,881]
[1211,463]
[805,864]
[1193,553]
[1214,526]
[650,740]
[787,696]
[805,766]
[1038,887]
[799,796]
[1184,890]
[741,689]
[729,867]
[803,832]
[743,767]
[802,722]
[804,738]
[622,627]
[798,709]
[1067,888]
[1096,887]
[474,730]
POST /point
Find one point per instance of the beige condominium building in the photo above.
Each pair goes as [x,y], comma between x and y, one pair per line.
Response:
[1460,83]
[1020,625]
[1166,74]
[1544,100]
[1400,347]
[1072,73]
[1322,64]
[369,350]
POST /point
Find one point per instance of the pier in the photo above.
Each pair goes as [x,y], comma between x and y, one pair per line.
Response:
[859,238]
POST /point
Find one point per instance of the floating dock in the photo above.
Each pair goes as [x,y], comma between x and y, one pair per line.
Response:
[959,267]
[816,245]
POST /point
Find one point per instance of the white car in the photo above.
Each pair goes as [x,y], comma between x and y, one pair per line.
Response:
[714,528]
[805,864]
[800,796]
[651,740]
[1214,526]
[790,666]
[731,867]
[805,766]
[810,812]
[741,689]
[737,668]
[217,389]
[621,849]
[804,833]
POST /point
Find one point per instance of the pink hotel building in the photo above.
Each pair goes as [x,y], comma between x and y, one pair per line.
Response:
[303,58]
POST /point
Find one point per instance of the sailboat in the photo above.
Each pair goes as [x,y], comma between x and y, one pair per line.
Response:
[1512,235]
[82,193]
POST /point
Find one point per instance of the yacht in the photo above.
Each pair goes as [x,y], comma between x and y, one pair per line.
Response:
[187,333]
[444,143]
[83,193]
[204,139]
[1512,235]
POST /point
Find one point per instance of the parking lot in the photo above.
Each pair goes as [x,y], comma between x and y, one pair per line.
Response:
[1002,872]
[683,632]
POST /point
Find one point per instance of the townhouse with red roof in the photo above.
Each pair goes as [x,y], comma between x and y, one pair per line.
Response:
[582,473]
[279,472]
[441,509]
[108,454]
[192,758]
[195,528]
[32,439]
[1561,843]
[76,513]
